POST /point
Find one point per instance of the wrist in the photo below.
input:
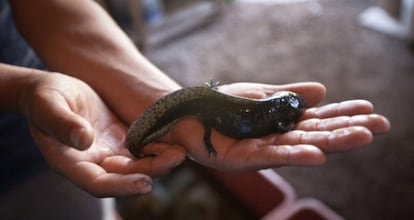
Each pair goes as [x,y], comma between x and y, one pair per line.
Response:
[25,93]
[131,89]
[15,82]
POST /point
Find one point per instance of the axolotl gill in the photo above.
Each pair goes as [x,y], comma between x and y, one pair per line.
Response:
[235,117]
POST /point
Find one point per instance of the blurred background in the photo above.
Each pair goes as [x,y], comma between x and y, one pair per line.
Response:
[335,42]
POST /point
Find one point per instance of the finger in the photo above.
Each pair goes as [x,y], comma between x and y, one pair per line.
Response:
[271,156]
[312,92]
[377,124]
[99,183]
[352,107]
[87,175]
[338,140]
[168,157]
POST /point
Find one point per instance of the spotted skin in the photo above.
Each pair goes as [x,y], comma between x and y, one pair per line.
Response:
[232,116]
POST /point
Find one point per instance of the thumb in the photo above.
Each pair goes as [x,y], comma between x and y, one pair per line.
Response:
[57,120]
[81,133]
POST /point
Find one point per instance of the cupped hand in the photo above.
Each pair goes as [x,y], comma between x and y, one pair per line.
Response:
[335,127]
[81,139]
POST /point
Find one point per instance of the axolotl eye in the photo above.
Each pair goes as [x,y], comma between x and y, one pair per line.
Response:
[296,101]
[290,99]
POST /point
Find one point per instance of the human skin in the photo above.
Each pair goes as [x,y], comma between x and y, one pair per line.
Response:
[99,83]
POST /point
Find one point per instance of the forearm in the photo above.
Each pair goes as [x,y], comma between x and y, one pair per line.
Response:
[78,38]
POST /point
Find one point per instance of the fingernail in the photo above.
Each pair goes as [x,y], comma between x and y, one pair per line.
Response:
[178,160]
[143,185]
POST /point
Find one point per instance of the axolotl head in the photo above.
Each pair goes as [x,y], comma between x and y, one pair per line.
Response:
[287,108]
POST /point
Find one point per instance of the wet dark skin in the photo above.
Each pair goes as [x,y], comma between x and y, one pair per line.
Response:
[235,117]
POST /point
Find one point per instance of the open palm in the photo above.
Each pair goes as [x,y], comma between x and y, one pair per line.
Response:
[84,141]
[325,129]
